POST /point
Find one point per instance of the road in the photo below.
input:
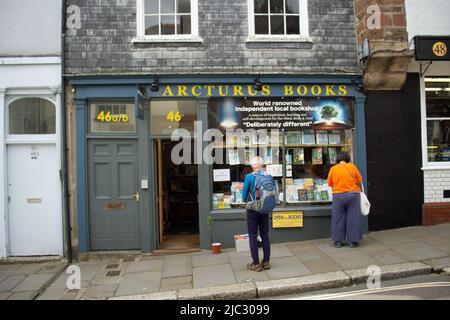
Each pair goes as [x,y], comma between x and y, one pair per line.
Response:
[426,287]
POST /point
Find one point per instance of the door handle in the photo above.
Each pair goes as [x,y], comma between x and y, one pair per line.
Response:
[137,196]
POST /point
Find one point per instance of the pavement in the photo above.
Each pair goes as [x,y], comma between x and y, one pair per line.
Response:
[296,267]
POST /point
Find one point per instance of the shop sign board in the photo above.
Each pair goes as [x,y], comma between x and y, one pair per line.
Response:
[289,219]
[139,102]
[432,48]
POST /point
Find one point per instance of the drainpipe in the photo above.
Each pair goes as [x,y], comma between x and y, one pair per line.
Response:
[64,173]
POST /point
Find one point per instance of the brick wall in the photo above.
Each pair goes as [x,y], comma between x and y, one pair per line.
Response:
[436,208]
[103,44]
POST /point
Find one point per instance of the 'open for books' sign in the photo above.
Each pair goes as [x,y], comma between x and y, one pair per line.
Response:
[291,219]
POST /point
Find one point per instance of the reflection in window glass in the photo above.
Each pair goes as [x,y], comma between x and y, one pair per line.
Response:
[167,116]
[276,24]
[167,24]
[112,117]
[437,91]
[261,6]
[167,17]
[183,24]
[277,17]
[262,24]
[32,116]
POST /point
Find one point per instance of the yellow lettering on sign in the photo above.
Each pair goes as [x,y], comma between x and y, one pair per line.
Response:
[209,88]
[330,90]
[288,90]
[221,92]
[343,90]
[237,91]
[182,91]
[302,90]
[316,90]
[168,92]
[266,90]
[251,91]
[196,93]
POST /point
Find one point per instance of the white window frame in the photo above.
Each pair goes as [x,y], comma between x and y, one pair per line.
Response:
[140,26]
[429,165]
[304,26]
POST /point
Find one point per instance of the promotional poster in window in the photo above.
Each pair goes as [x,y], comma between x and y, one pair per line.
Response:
[280,113]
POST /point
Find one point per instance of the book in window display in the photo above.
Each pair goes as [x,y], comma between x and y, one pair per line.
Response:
[248,155]
[308,183]
[260,138]
[232,139]
[268,156]
[302,194]
[334,137]
[236,192]
[332,154]
[317,156]
[299,156]
[292,193]
[322,137]
[308,137]
[233,157]
[293,138]
[310,195]
[288,157]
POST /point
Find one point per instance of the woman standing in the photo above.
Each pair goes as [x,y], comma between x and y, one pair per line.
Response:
[345,179]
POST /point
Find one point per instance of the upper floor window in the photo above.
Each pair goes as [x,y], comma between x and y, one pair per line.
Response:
[282,19]
[32,116]
[167,20]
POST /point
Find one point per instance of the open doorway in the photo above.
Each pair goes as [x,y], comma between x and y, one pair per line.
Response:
[177,201]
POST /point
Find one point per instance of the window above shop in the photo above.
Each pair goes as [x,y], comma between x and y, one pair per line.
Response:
[278,20]
[437,94]
[167,21]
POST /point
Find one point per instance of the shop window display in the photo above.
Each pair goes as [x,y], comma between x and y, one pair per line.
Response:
[299,159]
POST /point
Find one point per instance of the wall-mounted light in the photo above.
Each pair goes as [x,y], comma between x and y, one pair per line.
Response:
[360,87]
[257,84]
[155,85]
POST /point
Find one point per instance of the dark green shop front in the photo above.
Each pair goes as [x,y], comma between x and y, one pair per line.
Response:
[297,124]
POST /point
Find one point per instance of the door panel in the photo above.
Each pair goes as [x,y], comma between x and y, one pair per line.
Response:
[113,210]
[33,190]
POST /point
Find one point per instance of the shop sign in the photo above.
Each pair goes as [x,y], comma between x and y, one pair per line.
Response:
[247,90]
[139,103]
[432,48]
[288,114]
[291,219]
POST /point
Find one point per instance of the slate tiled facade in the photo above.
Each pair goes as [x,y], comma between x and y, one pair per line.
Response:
[104,45]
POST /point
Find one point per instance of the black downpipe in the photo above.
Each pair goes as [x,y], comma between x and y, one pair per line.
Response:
[64,173]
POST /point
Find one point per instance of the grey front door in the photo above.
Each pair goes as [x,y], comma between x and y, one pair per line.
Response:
[113,198]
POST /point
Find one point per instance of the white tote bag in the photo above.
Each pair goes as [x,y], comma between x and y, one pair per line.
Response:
[365,204]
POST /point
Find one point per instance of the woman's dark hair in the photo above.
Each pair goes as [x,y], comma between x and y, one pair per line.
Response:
[343,156]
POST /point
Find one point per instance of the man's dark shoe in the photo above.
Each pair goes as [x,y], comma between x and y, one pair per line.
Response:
[338,244]
[353,244]
[265,265]
[254,267]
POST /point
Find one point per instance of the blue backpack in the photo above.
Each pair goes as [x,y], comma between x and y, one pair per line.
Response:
[266,194]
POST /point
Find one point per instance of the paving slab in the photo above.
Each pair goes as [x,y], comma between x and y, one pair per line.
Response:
[391,271]
[139,283]
[33,282]
[438,264]
[213,275]
[241,291]
[99,292]
[325,265]
[391,238]
[29,268]
[10,283]
[178,283]
[167,295]
[9,269]
[240,263]
[417,251]
[385,257]
[176,260]
[287,267]
[4,295]
[327,247]
[302,284]
[353,259]
[145,266]
[53,294]
[443,247]
[310,255]
[24,295]
[370,245]
[301,246]
[442,230]
[209,260]
[279,251]
[249,276]
[177,270]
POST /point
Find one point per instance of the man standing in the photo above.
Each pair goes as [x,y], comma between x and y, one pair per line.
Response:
[256,221]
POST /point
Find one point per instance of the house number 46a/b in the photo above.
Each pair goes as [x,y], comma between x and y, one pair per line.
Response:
[172,116]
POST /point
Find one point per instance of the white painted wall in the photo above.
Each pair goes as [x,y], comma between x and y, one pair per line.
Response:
[30,27]
[428,17]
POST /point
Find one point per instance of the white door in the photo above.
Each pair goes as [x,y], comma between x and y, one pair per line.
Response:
[33,185]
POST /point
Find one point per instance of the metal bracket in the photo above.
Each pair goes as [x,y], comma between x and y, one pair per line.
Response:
[422,72]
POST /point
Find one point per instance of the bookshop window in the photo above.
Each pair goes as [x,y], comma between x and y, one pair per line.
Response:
[437,90]
[299,159]
[112,117]
[169,115]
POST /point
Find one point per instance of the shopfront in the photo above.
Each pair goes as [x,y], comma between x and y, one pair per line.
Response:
[165,170]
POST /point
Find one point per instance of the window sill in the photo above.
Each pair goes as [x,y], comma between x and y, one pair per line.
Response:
[194,39]
[253,39]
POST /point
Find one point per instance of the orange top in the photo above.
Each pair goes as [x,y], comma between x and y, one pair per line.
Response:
[340,180]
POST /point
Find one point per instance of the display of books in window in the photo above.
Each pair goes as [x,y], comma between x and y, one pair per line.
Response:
[322,137]
[332,154]
[233,157]
[260,137]
[248,155]
[289,170]
[227,201]
[292,138]
[334,137]
[288,157]
[317,156]
[236,192]
[217,201]
[308,137]
[298,156]
[232,139]
[271,156]
[292,193]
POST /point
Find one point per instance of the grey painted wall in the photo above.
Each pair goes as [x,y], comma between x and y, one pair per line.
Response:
[30,27]
[103,44]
